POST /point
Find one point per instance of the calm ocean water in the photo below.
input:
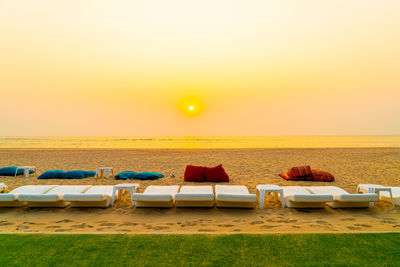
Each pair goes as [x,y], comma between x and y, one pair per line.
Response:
[201,142]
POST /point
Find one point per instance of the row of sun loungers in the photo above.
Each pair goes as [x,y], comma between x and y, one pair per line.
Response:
[234,196]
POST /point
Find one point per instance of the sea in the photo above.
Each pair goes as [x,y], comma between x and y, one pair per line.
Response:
[193,142]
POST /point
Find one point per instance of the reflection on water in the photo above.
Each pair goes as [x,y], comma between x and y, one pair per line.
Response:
[201,142]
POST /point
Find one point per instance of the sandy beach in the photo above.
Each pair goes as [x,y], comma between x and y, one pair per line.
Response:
[245,166]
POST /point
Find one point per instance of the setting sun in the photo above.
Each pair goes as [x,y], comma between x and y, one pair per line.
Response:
[191,108]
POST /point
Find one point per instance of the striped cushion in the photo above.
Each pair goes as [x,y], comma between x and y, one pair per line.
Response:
[299,171]
[322,176]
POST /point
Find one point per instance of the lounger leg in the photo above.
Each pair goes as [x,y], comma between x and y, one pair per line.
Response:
[282,200]
[113,197]
[262,198]
[26,172]
[371,190]
[108,174]
[391,197]
[133,202]
[16,171]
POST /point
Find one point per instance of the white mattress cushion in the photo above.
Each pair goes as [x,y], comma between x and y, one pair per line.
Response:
[356,197]
[301,194]
[234,193]
[8,197]
[32,189]
[157,193]
[54,194]
[364,187]
[162,189]
[342,195]
[94,193]
[195,193]
[395,192]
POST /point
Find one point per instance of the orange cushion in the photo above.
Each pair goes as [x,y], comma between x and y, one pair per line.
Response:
[299,171]
[319,175]
[302,178]
[216,174]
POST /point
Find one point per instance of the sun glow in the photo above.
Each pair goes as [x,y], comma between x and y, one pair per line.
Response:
[191,106]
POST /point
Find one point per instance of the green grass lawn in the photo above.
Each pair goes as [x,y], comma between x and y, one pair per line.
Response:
[200,250]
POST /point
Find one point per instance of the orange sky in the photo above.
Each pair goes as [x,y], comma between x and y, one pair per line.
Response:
[247,67]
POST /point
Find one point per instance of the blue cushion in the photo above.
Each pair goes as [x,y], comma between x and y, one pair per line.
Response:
[125,175]
[147,176]
[73,175]
[10,171]
[89,174]
[51,174]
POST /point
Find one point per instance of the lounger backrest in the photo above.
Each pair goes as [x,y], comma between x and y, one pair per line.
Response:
[294,190]
[202,189]
[231,189]
[100,189]
[69,189]
[334,190]
[32,189]
[162,189]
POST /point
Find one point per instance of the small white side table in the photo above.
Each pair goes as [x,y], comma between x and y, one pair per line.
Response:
[3,188]
[26,170]
[100,172]
[378,190]
[270,188]
[119,187]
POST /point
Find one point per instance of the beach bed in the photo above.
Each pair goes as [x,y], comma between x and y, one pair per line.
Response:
[343,199]
[11,199]
[195,196]
[234,196]
[96,196]
[386,193]
[53,197]
[300,197]
[156,196]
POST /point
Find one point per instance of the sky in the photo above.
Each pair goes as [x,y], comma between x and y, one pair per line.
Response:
[199,68]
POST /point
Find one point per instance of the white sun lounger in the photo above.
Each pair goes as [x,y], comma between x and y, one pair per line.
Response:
[383,194]
[342,199]
[156,196]
[234,196]
[195,196]
[53,197]
[11,199]
[96,196]
[300,197]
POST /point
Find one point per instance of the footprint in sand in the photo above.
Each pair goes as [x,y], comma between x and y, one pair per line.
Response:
[236,230]
[269,226]
[124,230]
[108,224]
[53,227]
[128,224]
[3,223]
[256,222]
[206,230]
[32,223]
[160,228]
[22,227]
[296,226]
[353,228]
[238,221]
[63,230]
[225,225]
[348,219]
[83,225]
[363,225]
[396,226]
[64,221]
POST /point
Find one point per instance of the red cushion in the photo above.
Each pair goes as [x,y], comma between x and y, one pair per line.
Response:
[319,175]
[216,174]
[302,178]
[194,173]
[299,171]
